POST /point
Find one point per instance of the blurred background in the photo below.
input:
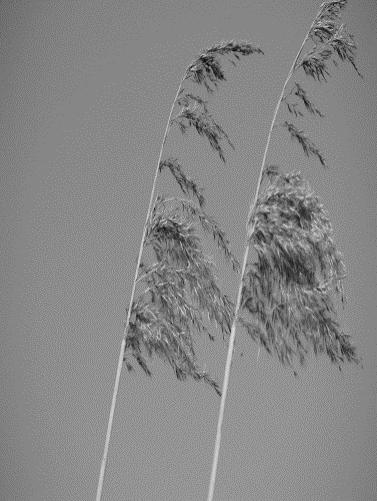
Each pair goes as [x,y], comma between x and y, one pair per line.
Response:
[85,92]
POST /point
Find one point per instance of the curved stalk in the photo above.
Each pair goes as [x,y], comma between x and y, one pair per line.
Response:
[123,344]
[249,232]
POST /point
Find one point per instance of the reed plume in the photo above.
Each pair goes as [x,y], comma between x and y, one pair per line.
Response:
[285,297]
[175,287]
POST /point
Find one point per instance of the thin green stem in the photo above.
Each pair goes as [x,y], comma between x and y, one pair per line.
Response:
[249,232]
[123,344]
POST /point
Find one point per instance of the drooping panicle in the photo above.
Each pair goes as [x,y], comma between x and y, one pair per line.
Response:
[287,297]
[207,70]
[180,288]
[307,144]
[294,107]
[187,185]
[331,39]
[195,114]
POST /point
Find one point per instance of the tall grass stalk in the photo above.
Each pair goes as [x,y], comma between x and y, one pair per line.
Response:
[180,290]
[286,293]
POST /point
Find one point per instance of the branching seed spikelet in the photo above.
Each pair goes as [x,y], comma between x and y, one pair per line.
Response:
[298,91]
[307,145]
[331,39]
[196,114]
[187,185]
[206,69]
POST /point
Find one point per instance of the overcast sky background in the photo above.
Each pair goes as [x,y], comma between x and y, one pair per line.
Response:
[86,88]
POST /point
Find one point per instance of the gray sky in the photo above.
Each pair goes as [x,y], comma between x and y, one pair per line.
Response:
[86,89]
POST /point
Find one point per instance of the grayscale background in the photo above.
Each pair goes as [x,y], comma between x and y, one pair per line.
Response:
[85,91]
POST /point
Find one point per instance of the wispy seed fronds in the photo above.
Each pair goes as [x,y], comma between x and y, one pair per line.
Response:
[293,322]
[330,39]
[211,227]
[180,291]
[271,171]
[314,64]
[190,293]
[149,331]
[187,185]
[322,30]
[171,287]
[344,46]
[307,145]
[173,237]
[293,233]
[298,91]
[330,10]
[205,125]
[287,293]
[188,213]
[206,69]
[190,99]
[170,234]
[293,108]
